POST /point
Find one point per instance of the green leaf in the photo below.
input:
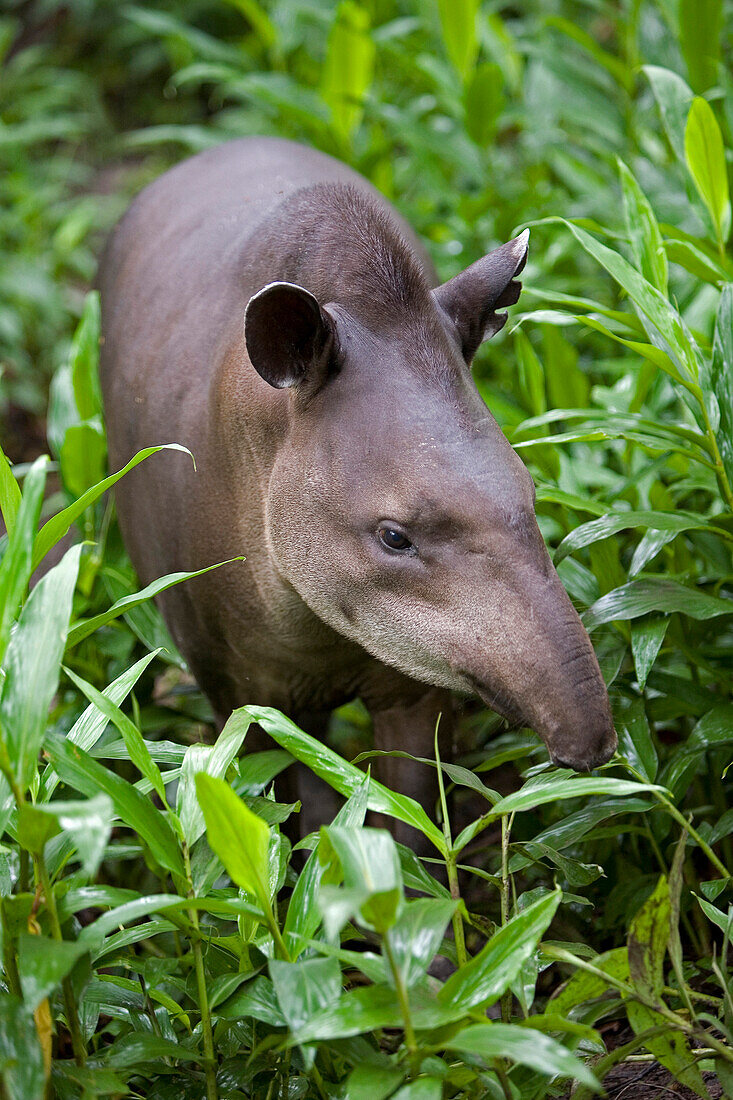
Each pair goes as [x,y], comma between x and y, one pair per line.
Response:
[705,156]
[637,598]
[673,98]
[43,963]
[670,1049]
[613,522]
[33,663]
[303,988]
[643,230]
[490,973]
[85,627]
[699,38]
[584,987]
[304,913]
[423,1088]
[130,1050]
[416,937]
[16,563]
[136,747]
[35,827]
[636,739]
[239,838]
[526,1046]
[647,943]
[646,641]
[361,1009]
[349,66]
[83,456]
[56,528]
[342,776]
[721,376]
[458,22]
[10,494]
[80,771]
[370,1081]
[213,760]
[84,359]
[21,1059]
[483,101]
[88,728]
[367,861]
[88,824]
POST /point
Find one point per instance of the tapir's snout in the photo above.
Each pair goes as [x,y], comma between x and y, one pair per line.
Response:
[602,745]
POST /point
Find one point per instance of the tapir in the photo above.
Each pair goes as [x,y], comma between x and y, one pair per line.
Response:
[264,305]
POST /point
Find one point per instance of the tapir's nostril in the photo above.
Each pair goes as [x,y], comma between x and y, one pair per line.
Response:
[586,762]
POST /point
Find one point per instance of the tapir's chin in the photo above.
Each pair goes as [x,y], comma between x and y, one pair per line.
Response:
[580,745]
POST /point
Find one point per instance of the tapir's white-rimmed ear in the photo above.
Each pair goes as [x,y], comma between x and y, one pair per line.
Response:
[471,299]
[289,337]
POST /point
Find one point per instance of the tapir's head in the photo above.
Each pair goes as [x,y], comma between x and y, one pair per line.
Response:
[401,514]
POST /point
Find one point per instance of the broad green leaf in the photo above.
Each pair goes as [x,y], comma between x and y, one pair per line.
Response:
[88,824]
[458,22]
[213,760]
[131,1050]
[663,316]
[647,637]
[643,230]
[700,35]
[483,101]
[303,988]
[670,1048]
[257,769]
[553,787]
[84,359]
[83,456]
[721,376]
[42,963]
[349,66]
[705,156]
[136,747]
[362,1009]
[647,943]
[367,860]
[489,974]
[673,98]
[416,936]
[80,771]
[526,1046]
[239,838]
[640,597]
[16,563]
[636,739]
[21,1059]
[613,522]
[372,1081]
[342,776]
[423,1088]
[56,528]
[696,261]
[87,729]
[584,987]
[35,827]
[85,627]
[258,1000]
[304,914]
[10,494]
[33,663]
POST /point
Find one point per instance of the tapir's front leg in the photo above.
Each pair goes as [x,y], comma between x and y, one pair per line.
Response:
[409,726]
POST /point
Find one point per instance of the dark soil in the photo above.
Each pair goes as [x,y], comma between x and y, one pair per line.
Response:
[650,1081]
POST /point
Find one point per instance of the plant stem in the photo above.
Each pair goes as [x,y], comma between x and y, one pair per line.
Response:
[506,824]
[72,1017]
[203,996]
[682,820]
[410,1041]
[451,859]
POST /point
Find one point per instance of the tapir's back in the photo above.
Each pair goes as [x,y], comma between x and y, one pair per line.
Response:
[175,280]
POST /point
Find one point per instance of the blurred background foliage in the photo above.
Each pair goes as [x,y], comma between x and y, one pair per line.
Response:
[614,377]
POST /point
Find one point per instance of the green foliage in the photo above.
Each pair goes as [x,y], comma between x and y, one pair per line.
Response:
[159,937]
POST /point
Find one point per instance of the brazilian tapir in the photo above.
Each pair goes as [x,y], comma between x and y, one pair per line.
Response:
[264,305]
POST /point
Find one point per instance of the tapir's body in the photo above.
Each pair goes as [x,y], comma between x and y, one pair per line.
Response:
[341,447]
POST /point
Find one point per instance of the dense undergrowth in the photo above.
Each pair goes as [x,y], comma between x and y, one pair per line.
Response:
[158,939]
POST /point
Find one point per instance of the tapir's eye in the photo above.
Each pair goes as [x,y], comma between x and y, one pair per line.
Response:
[394,539]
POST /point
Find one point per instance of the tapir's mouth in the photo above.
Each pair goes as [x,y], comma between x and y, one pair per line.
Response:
[583,757]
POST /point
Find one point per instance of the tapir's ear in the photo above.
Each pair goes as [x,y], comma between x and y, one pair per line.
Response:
[472,298]
[289,337]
